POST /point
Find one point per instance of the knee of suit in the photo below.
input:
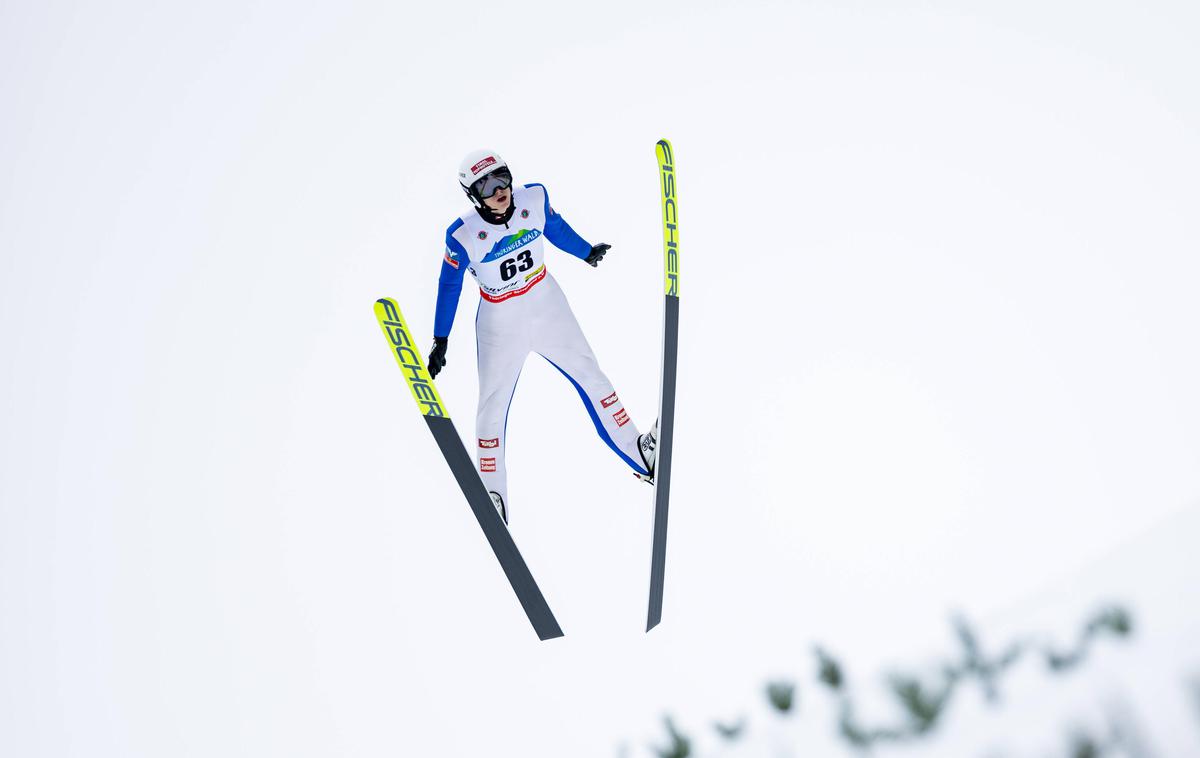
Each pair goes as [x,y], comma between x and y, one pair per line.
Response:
[491,418]
[493,399]
[491,431]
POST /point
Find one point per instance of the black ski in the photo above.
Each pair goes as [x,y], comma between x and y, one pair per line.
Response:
[493,526]
[666,396]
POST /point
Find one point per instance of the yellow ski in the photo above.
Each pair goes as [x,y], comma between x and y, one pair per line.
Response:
[424,391]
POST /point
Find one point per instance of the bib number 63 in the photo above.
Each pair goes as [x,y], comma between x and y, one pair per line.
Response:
[510,266]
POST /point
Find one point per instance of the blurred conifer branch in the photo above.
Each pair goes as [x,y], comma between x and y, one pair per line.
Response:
[781,695]
[1120,738]
[680,746]
[1114,621]
[730,731]
[923,702]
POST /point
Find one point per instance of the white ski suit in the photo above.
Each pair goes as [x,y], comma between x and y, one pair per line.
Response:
[521,310]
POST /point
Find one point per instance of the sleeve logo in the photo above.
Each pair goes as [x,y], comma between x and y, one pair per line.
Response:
[452,258]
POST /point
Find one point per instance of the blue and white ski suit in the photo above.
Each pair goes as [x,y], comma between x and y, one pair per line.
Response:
[523,310]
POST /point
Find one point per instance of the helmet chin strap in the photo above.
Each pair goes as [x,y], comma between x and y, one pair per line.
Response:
[490,216]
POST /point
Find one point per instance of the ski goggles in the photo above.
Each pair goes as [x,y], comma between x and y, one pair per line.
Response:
[492,183]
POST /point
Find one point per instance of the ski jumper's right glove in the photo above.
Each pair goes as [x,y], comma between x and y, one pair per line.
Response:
[437,356]
[597,254]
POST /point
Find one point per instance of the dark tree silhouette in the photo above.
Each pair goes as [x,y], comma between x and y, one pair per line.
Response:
[680,746]
[922,703]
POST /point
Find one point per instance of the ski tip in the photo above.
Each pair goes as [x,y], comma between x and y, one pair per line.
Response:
[664,150]
[651,623]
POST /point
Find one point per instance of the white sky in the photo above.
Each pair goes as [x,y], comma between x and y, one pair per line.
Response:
[939,319]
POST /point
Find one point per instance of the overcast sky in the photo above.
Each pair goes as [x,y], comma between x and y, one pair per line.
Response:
[940,265]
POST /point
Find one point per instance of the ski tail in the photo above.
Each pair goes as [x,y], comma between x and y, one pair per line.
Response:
[667,380]
[399,337]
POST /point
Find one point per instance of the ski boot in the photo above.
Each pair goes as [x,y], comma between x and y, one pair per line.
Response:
[648,447]
[499,503]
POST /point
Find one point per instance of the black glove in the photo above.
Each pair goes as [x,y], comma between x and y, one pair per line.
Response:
[437,356]
[597,254]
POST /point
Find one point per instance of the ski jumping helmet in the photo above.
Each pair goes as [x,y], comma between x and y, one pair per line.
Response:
[481,173]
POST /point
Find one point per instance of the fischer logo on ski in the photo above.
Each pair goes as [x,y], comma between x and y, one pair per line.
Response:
[666,168]
[410,363]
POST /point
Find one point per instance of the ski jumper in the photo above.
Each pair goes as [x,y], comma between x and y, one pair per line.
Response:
[523,310]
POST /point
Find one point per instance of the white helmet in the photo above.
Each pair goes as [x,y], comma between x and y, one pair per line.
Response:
[478,166]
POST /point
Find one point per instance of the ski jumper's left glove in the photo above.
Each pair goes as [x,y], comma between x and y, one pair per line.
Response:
[597,254]
[437,356]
